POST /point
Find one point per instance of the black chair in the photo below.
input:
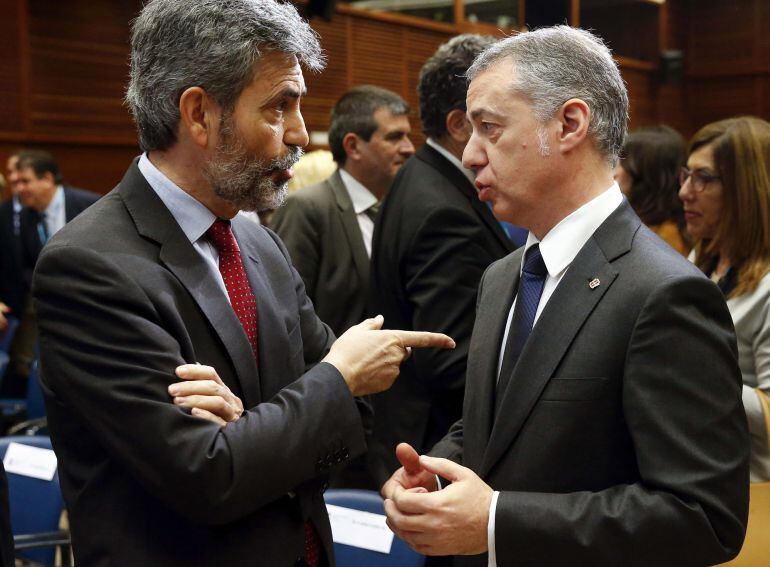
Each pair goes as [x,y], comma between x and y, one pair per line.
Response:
[36,507]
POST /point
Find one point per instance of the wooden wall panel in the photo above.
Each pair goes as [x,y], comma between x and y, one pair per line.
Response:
[710,99]
[11,90]
[641,94]
[377,55]
[721,37]
[79,67]
[326,87]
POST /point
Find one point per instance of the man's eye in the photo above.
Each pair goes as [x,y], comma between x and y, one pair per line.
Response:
[487,127]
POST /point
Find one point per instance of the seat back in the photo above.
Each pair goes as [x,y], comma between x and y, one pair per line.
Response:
[36,505]
[401,555]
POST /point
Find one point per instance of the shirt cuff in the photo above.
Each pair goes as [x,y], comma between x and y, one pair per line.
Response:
[491,552]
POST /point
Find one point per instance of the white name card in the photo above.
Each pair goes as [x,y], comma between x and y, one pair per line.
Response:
[30,461]
[360,529]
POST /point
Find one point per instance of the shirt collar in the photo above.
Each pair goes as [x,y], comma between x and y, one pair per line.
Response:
[452,159]
[360,196]
[563,242]
[192,216]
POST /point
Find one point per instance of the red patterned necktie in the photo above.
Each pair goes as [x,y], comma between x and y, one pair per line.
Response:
[234,275]
[245,307]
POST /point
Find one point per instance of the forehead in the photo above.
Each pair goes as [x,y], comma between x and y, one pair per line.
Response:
[702,157]
[492,90]
[12,162]
[388,121]
[275,72]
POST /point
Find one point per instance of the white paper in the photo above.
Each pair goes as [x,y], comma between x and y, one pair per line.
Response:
[30,461]
[360,529]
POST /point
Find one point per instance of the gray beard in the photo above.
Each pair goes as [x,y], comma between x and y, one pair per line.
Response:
[241,180]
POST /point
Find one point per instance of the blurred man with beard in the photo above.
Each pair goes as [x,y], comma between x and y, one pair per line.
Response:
[195,401]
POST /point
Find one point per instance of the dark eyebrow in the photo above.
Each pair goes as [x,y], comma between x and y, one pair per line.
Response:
[290,92]
[477,113]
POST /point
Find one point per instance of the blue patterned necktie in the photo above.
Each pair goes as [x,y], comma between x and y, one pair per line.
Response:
[531,284]
[42,228]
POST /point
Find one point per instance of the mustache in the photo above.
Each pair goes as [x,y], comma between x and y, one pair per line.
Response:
[286,161]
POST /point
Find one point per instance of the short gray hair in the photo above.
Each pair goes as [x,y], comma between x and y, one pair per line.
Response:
[212,44]
[354,112]
[558,63]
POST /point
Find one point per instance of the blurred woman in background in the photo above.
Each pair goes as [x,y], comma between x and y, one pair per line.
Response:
[648,175]
[725,189]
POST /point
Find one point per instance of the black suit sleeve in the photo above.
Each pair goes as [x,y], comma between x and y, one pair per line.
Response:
[683,410]
[444,265]
[109,352]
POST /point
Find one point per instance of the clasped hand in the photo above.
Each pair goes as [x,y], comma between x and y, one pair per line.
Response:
[451,521]
[205,395]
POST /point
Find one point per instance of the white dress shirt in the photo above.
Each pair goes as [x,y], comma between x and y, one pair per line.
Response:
[558,248]
[55,215]
[362,200]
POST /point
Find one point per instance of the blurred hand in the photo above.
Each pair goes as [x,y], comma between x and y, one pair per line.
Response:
[369,358]
[203,392]
[3,321]
[411,476]
[452,521]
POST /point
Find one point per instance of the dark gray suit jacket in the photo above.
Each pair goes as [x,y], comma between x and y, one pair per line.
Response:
[622,438]
[122,299]
[432,242]
[320,229]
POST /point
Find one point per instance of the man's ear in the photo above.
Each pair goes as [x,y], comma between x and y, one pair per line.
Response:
[458,127]
[199,116]
[574,117]
[351,144]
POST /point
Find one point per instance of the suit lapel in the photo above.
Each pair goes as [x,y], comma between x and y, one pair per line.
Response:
[69,208]
[269,321]
[352,229]
[153,220]
[565,313]
[497,297]
[433,158]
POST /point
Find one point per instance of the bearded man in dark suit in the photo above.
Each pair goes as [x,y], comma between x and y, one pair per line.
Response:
[195,401]
[603,422]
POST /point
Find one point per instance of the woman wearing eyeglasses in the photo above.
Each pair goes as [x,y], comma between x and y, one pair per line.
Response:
[725,189]
[648,176]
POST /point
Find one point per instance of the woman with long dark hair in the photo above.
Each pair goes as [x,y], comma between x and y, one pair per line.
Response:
[725,189]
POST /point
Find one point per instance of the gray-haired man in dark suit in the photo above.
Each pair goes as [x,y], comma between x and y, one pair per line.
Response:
[603,422]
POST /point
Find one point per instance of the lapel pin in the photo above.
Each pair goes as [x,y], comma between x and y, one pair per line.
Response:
[594,283]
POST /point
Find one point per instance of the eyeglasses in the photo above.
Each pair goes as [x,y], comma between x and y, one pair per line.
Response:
[700,179]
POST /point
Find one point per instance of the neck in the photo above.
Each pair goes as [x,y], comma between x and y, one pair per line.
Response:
[580,182]
[44,206]
[184,170]
[373,185]
[454,147]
